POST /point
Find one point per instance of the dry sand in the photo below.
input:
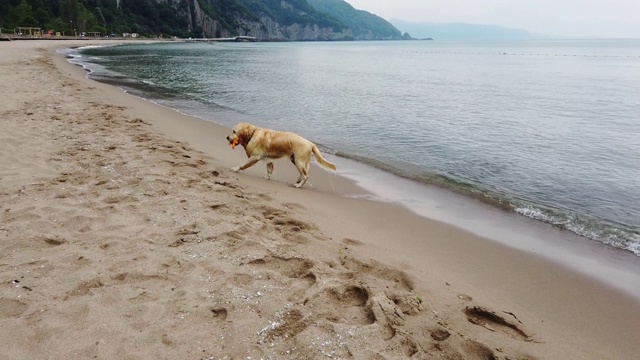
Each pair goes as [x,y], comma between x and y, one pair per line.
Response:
[124,236]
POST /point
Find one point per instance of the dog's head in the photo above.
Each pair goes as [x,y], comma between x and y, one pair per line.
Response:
[242,132]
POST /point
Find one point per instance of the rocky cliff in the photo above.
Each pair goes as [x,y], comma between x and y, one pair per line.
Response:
[269,20]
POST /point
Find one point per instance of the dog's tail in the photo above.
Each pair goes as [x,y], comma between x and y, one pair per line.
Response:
[322,160]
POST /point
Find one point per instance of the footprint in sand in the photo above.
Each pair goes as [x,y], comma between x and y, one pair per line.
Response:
[186,235]
[53,241]
[281,217]
[11,308]
[143,297]
[344,304]
[294,206]
[294,230]
[293,268]
[376,269]
[352,242]
[439,334]
[242,280]
[84,288]
[286,325]
[494,322]
[219,314]
[136,277]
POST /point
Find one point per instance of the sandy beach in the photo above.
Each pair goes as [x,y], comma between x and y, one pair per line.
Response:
[123,235]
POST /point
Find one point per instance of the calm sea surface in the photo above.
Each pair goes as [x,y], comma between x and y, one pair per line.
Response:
[550,129]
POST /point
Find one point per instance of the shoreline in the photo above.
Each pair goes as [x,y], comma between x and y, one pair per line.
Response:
[352,254]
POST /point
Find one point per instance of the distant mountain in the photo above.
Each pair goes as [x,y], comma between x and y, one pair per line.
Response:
[292,20]
[363,24]
[460,31]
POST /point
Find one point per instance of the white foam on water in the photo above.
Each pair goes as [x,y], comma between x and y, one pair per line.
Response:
[591,229]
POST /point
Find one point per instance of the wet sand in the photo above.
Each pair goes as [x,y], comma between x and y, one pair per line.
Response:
[124,235]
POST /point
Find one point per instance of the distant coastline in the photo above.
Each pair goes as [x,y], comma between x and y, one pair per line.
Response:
[460,31]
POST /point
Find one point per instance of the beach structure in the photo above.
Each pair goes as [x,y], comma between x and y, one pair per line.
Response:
[28,31]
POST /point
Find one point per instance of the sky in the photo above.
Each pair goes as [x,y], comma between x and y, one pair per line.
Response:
[602,18]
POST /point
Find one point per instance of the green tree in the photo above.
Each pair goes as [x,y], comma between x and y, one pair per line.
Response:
[69,11]
[55,24]
[21,15]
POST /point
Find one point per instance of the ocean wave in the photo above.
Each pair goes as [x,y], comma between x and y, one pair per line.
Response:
[612,234]
[616,235]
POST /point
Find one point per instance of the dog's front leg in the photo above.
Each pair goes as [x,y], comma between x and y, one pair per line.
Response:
[250,162]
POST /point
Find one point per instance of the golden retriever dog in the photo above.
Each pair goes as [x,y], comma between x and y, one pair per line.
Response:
[270,145]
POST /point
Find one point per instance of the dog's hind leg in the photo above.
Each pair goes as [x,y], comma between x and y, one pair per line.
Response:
[269,170]
[301,181]
[293,161]
[303,168]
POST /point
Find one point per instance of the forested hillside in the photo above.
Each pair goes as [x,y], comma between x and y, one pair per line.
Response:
[262,19]
[359,21]
[104,16]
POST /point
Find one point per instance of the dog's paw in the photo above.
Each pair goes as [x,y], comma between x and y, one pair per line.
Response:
[235,168]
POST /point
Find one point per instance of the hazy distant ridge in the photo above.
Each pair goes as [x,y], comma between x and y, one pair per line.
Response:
[459,31]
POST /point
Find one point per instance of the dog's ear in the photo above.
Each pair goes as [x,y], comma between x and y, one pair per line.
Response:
[246,133]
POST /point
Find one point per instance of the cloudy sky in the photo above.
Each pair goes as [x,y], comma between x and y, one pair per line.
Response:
[604,18]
